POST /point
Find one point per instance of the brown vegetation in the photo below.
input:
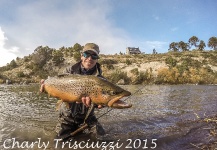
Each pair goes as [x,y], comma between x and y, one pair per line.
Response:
[189,67]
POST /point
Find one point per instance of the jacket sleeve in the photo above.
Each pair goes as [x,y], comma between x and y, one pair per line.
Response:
[65,72]
[68,70]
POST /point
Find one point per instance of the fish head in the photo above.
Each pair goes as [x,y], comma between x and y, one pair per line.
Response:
[112,94]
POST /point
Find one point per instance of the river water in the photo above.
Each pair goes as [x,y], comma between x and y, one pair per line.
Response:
[162,117]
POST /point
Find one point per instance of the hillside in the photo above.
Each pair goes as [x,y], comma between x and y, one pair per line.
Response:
[193,67]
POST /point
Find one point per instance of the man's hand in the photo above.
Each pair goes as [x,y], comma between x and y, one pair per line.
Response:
[42,85]
[87,101]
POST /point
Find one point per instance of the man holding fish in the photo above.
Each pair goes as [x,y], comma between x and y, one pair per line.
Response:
[77,92]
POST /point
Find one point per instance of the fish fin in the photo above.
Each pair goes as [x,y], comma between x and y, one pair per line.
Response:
[67,105]
[48,96]
[59,103]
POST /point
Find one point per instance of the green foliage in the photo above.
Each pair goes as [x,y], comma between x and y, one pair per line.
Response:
[135,71]
[1,81]
[176,54]
[193,41]
[77,56]
[185,64]
[30,66]
[20,74]
[170,61]
[141,77]
[43,74]
[9,66]
[107,61]
[212,43]
[201,46]
[70,51]
[128,62]
[174,47]
[26,59]
[184,67]
[189,62]
[183,46]
[206,55]
[57,57]
[18,58]
[118,75]
[110,66]
[213,59]
[41,55]
[2,77]
[77,48]
[13,64]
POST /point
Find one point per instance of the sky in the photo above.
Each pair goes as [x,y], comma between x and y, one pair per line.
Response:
[112,24]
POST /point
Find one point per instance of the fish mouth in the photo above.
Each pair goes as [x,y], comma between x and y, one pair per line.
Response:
[121,104]
[117,103]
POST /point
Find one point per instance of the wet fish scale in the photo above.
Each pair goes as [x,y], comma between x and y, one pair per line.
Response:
[73,87]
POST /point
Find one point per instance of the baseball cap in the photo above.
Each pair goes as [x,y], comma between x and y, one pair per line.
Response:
[91,47]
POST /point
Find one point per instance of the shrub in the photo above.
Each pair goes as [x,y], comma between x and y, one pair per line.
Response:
[128,62]
[109,66]
[118,75]
[1,81]
[135,71]
[107,61]
[141,78]
[170,76]
[170,62]
[20,74]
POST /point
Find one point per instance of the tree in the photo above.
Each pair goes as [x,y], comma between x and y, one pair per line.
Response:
[13,64]
[18,58]
[77,51]
[193,41]
[171,62]
[154,51]
[58,57]
[20,74]
[201,46]
[183,46]
[41,55]
[212,43]
[174,47]
[70,51]
[77,47]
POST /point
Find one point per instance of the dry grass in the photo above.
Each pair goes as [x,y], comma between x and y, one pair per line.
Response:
[212,136]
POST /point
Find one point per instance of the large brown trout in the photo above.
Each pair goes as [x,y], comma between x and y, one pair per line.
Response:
[72,88]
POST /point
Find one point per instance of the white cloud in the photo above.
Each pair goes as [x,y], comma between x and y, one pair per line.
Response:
[159,46]
[6,54]
[156,17]
[174,29]
[58,24]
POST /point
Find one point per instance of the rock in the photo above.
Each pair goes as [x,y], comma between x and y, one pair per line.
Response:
[121,82]
[8,81]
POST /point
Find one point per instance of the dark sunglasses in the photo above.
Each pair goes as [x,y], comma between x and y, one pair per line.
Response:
[93,56]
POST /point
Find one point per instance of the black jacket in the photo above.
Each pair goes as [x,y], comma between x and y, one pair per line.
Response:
[76,112]
[72,115]
[77,69]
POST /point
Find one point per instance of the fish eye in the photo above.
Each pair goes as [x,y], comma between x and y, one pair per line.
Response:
[109,92]
[104,92]
[112,92]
